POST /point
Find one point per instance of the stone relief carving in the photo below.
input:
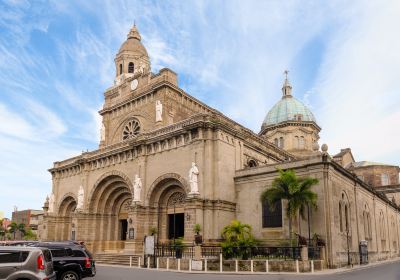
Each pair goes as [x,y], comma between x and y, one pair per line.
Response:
[193,179]
[159,109]
[51,203]
[81,197]
[137,189]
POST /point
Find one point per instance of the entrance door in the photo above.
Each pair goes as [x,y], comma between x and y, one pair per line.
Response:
[124,228]
[176,225]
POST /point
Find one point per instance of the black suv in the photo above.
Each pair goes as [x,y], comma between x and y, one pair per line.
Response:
[71,261]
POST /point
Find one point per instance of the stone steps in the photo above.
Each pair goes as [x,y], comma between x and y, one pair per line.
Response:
[116,259]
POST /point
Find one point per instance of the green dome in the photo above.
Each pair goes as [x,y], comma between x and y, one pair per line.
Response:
[288,109]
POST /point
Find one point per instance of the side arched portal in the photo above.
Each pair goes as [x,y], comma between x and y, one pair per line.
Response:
[66,210]
[168,195]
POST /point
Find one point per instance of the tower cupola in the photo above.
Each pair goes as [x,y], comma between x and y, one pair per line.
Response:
[132,56]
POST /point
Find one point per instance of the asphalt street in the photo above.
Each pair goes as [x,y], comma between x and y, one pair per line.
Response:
[389,271]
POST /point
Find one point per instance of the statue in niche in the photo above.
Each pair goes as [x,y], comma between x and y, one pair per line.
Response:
[81,196]
[193,179]
[137,189]
[51,203]
[102,133]
[159,109]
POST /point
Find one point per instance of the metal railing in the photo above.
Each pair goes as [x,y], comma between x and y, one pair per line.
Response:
[214,251]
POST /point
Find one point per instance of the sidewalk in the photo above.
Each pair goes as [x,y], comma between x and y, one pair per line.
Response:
[341,270]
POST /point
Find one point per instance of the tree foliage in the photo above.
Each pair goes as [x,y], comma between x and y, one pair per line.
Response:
[296,191]
[238,240]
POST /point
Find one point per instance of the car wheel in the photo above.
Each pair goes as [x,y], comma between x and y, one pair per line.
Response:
[70,275]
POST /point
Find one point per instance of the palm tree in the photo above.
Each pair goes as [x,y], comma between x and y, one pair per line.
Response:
[2,230]
[21,229]
[296,191]
[13,228]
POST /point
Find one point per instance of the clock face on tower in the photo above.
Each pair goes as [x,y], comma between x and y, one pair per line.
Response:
[134,84]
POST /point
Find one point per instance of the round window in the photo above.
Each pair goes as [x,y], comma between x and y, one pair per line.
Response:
[131,129]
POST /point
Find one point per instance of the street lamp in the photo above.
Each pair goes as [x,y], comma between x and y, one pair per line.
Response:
[348,247]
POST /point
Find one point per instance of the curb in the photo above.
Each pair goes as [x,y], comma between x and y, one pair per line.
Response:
[323,272]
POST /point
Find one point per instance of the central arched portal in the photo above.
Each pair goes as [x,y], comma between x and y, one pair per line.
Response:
[110,202]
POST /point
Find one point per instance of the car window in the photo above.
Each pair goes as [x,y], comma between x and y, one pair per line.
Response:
[58,253]
[24,256]
[47,255]
[78,253]
[9,257]
[69,252]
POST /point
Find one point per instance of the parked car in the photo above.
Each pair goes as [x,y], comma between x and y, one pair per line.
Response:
[26,263]
[71,261]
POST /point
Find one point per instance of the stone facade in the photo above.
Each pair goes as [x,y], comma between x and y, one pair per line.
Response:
[155,131]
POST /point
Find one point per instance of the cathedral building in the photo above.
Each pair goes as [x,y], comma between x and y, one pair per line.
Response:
[166,161]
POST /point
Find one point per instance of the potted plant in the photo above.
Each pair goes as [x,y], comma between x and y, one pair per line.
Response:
[178,246]
[153,231]
[198,239]
[318,241]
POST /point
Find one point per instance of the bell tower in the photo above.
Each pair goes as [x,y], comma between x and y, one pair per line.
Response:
[132,57]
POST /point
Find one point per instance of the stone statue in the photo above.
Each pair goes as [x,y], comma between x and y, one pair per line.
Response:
[81,196]
[137,189]
[102,133]
[159,108]
[51,203]
[193,179]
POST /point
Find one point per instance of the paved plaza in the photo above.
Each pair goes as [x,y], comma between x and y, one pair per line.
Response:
[388,271]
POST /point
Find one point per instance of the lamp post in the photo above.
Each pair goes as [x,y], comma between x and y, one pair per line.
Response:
[348,247]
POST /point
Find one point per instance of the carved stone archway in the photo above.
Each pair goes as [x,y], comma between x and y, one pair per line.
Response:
[162,182]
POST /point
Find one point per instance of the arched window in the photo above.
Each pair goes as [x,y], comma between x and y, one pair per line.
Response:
[367,223]
[385,179]
[271,219]
[120,69]
[302,143]
[252,163]
[281,142]
[296,142]
[344,214]
[131,67]
[382,230]
[340,217]
[276,142]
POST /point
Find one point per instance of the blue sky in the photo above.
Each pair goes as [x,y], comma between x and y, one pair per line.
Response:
[56,60]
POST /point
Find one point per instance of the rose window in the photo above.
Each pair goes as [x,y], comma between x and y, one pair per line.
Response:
[131,129]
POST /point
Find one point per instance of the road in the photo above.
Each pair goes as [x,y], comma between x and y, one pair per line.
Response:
[389,271]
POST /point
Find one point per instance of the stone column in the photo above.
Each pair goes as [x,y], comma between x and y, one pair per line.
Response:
[193,215]
[139,217]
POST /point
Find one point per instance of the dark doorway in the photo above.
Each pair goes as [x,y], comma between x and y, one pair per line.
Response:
[176,225]
[124,228]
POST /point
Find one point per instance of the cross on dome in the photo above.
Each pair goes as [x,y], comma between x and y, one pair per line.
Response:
[286,88]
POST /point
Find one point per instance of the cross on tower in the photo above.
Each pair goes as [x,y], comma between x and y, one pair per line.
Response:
[286,73]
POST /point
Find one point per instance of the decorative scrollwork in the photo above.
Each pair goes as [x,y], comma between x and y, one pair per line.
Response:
[177,198]
[131,130]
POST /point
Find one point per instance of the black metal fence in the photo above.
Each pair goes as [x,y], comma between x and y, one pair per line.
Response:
[314,253]
[257,252]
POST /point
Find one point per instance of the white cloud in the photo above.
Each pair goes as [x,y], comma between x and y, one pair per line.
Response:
[358,84]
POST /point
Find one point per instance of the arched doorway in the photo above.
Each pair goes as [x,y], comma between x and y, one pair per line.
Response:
[65,213]
[109,203]
[176,215]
